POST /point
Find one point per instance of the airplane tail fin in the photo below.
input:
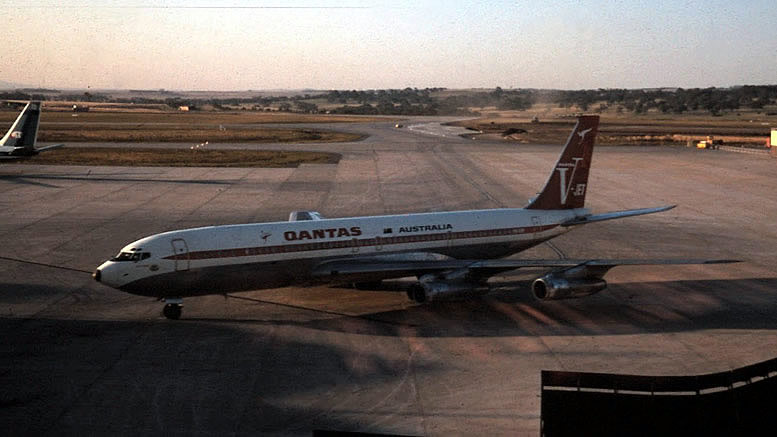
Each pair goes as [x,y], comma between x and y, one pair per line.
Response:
[24,131]
[568,181]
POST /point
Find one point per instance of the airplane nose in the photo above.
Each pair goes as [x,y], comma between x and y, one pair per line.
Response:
[111,274]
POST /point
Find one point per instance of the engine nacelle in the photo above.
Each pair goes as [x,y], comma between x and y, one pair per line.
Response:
[554,287]
[437,291]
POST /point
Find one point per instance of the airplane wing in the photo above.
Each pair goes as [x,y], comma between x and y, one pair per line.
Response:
[483,268]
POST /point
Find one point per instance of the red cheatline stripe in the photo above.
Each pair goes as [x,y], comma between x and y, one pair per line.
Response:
[356,242]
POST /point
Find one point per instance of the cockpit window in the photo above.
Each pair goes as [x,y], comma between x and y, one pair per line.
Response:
[123,256]
[131,256]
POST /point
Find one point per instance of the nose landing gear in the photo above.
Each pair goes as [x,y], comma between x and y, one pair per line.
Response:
[173,308]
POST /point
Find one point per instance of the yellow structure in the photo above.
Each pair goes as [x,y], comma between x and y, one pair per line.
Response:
[709,143]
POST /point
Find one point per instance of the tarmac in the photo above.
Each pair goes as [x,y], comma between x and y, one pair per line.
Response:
[77,357]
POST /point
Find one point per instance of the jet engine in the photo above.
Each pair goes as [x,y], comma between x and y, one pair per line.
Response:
[555,286]
[442,291]
[455,285]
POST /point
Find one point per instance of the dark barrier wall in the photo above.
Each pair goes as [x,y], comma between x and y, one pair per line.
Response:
[738,402]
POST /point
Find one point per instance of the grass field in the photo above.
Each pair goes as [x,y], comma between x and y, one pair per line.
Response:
[192,118]
[180,157]
[157,133]
[115,123]
[743,128]
[242,126]
[185,127]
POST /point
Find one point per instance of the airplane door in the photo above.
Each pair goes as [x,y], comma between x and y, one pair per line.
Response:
[536,222]
[181,254]
[355,245]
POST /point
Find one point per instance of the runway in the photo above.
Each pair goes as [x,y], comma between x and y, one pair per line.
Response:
[80,358]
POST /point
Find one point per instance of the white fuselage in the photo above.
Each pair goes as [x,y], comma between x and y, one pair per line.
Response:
[220,259]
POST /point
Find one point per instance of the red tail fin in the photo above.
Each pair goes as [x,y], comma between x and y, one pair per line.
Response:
[567,184]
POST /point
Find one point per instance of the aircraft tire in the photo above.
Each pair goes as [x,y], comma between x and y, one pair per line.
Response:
[172,311]
[416,293]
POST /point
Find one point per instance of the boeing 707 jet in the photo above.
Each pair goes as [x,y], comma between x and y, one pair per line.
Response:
[19,141]
[450,253]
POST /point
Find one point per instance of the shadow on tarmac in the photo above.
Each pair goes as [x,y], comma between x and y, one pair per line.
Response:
[507,310]
[81,377]
[622,309]
[250,376]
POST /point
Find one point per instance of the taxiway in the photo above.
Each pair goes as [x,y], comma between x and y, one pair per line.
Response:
[80,358]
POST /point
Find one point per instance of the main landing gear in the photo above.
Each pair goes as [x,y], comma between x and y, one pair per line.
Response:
[416,293]
[173,308]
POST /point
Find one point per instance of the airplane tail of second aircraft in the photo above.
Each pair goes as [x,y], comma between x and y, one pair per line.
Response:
[568,182]
[24,130]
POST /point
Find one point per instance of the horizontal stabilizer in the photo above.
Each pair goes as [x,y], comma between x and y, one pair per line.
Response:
[53,146]
[615,215]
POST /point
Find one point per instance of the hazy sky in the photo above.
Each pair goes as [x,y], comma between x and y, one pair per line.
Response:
[238,45]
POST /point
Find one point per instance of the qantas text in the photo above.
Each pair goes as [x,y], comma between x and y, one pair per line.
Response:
[315,234]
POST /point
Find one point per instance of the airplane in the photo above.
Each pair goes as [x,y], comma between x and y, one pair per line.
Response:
[452,254]
[19,141]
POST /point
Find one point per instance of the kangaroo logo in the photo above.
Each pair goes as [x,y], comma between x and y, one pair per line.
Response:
[582,133]
[564,186]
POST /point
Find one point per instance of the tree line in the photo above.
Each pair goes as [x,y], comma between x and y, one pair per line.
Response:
[440,101]
[677,101]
